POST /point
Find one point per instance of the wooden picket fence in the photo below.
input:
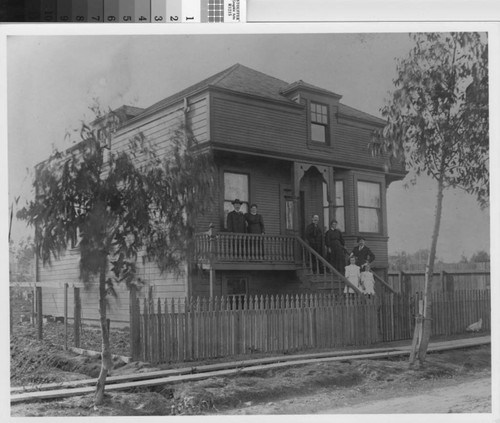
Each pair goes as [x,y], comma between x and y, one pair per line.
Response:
[182,330]
[204,328]
[452,312]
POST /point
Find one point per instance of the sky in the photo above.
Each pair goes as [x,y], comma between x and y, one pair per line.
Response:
[51,81]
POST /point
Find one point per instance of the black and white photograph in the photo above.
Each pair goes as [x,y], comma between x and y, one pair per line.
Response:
[281,220]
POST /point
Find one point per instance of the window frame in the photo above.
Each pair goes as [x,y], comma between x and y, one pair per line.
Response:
[379,209]
[342,226]
[245,203]
[324,125]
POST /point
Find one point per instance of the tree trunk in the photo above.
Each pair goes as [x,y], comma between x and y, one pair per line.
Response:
[429,273]
[106,361]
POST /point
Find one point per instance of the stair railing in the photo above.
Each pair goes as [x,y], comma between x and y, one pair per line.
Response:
[313,261]
[384,283]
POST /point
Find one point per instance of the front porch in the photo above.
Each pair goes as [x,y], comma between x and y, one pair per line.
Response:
[239,251]
[227,251]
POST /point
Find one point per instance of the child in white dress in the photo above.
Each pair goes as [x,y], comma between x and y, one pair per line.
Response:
[367,282]
[352,274]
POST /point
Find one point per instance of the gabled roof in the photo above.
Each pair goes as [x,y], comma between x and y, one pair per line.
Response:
[237,78]
[241,79]
[358,114]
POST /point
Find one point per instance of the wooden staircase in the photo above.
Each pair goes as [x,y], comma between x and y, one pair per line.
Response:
[317,274]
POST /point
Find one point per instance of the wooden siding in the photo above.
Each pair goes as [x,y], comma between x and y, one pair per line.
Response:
[281,130]
[257,125]
[66,270]
[158,128]
[265,179]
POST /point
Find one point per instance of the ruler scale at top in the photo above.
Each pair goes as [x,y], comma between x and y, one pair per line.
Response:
[138,11]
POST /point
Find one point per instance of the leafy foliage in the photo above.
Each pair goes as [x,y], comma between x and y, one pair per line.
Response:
[480,257]
[116,204]
[24,256]
[437,116]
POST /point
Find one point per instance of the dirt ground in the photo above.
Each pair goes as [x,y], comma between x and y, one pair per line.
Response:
[456,381]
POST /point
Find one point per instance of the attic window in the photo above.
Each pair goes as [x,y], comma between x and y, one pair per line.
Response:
[319,122]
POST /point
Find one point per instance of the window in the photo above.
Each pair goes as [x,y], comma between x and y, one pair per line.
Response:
[369,212]
[339,205]
[236,288]
[319,122]
[235,186]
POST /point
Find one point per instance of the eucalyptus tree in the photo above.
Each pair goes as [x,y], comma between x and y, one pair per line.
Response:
[437,122]
[116,204]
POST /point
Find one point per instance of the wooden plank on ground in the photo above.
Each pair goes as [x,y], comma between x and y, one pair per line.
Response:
[61,393]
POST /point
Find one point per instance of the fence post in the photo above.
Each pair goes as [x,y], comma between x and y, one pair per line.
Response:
[11,314]
[39,314]
[66,316]
[135,334]
[33,308]
[77,316]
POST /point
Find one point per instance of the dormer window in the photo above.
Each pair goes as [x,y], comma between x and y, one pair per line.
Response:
[319,122]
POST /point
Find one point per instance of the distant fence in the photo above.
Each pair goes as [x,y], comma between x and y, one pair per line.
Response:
[183,330]
[447,277]
[451,313]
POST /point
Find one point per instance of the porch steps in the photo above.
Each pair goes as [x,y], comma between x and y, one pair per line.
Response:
[319,283]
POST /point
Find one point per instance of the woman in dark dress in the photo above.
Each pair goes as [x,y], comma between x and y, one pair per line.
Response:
[255,222]
[335,246]
[255,225]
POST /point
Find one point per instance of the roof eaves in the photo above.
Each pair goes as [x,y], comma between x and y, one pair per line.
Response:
[285,101]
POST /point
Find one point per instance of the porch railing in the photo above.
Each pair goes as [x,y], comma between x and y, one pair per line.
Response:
[319,266]
[228,247]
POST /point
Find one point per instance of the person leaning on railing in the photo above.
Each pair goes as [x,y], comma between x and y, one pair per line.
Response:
[362,253]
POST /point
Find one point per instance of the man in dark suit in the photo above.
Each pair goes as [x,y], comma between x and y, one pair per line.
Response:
[362,253]
[236,219]
[236,223]
[314,237]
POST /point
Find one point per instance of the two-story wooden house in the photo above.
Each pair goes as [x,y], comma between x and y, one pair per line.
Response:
[293,149]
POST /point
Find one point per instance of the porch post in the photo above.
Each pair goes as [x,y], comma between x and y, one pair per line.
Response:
[331,192]
[298,172]
[212,281]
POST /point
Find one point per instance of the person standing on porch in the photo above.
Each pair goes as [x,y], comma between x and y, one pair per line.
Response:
[314,237]
[255,225]
[362,253]
[236,221]
[255,222]
[335,246]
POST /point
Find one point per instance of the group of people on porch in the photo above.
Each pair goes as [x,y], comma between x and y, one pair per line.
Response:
[240,222]
[358,271]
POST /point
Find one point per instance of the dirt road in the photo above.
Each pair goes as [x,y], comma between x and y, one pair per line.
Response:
[470,395]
